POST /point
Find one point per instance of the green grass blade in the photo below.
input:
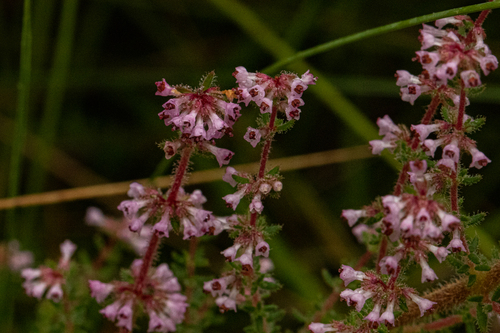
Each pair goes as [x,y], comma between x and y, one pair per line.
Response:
[379,31]
[20,130]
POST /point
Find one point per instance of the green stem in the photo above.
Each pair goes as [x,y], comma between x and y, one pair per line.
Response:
[20,129]
[379,31]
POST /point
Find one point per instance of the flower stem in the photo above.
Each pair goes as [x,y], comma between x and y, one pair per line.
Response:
[461,108]
[265,155]
[179,175]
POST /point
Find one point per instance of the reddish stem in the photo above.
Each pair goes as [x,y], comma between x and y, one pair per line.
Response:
[398,189]
[461,107]
[454,192]
[146,263]
[179,175]
[431,110]
[381,253]
[265,155]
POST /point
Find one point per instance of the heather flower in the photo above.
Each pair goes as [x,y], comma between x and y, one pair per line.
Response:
[423,304]
[253,136]
[43,278]
[470,78]
[375,314]
[423,131]
[159,298]
[427,272]
[228,176]
[321,328]
[352,215]
[17,259]
[286,89]
[479,160]
[202,114]
[388,316]
[222,155]
[348,274]
[100,290]
[262,249]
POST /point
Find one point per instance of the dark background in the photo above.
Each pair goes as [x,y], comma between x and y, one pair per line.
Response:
[107,121]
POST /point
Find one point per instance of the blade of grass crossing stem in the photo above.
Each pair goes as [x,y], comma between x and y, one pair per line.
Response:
[20,131]
[328,46]
[329,94]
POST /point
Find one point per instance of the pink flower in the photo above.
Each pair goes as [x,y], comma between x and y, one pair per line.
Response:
[262,249]
[160,323]
[375,314]
[253,136]
[423,131]
[100,290]
[228,176]
[232,200]
[488,63]
[222,155]
[352,215]
[379,145]
[67,249]
[348,274]
[388,316]
[428,274]
[410,93]
[470,78]
[423,304]
[479,160]
[321,328]
[439,252]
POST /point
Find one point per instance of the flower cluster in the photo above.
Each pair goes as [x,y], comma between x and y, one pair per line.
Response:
[159,298]
[283,92]
[119,229]
[382,294]
[187,208]
[201,114]
[38,280]
[452,53]
[248,185]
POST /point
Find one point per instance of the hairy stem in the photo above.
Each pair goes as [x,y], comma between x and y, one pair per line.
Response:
[454,294]
[265,155]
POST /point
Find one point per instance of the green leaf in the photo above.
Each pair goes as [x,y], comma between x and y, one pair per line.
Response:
[474,258]
[241,180]
[374,219]
[472,280]
[482,318]
[482,268]
[329,279]
[286,126]
[464,269]
[445,113]
[402,304]
[473,246]
[299,316]
[272,230]
[496,295]
[494,253]
[271,286]
[476,298]
[208,80]
[470,180]
[474,220]
[274,171]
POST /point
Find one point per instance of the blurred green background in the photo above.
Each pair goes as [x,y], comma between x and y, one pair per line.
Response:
[92,99]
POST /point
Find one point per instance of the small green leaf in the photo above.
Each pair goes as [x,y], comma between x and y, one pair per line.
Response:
[464,269]
[474,258]
[374,219]
[488,308]
[494,253]
[482,268]
[274,171]
[496,295]
[476,298]
[473,244]
[241,180]
[270,285]
[208,80]
[286,126]
[328,277]
[454,262]
[482,318]
[445,114]
[402,304]
[472,280]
